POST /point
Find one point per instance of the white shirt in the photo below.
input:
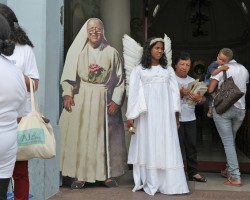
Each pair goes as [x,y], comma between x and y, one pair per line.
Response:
[187,112]
[24,58]
[12,100]
[241,78]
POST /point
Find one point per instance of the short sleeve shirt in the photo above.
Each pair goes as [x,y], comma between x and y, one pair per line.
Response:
[187,112]
[24,58]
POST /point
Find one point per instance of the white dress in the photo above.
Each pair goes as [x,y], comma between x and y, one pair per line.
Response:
[154,150]
[12,102]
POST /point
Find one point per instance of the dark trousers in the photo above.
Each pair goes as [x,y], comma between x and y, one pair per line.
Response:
[21,180]
[187,136]
[4,183]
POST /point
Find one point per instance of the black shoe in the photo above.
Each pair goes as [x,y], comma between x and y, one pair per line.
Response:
[111,183]
[201,180]
[76,185]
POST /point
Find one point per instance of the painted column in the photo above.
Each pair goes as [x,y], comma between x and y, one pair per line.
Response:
[116,19]
[41,20]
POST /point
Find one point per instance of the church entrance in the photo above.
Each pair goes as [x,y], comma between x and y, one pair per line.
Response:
[198,27]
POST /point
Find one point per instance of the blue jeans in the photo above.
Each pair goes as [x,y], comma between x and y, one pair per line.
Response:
[227,125]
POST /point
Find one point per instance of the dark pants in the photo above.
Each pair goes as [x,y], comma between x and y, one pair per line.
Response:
[21,180]
[187,136]
[4,183]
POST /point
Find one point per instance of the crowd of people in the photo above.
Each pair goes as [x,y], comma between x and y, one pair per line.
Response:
[92,130]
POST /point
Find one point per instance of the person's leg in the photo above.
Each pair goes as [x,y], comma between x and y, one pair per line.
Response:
[224,125]
[189,140]
[239,115]
[4,183]
[181,133]
[187,136]
[210,108]
[21,180]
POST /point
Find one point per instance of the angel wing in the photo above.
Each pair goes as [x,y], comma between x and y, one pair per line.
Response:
[132,53]
[168,50]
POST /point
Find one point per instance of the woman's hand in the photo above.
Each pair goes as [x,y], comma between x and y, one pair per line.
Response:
[130,123]
[194,97]
[68,102]
[197,98]
[112,107]
[184,92]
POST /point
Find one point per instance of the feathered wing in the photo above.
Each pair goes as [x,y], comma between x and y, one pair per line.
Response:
[168,50]
[132,53]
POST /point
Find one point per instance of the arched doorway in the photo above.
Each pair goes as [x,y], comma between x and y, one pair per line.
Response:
[198,26]
[202,27]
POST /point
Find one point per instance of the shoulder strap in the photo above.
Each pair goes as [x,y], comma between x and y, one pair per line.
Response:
[224,74]
[34,104]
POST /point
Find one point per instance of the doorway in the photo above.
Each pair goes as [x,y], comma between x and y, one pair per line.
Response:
[177,19]
[196,26]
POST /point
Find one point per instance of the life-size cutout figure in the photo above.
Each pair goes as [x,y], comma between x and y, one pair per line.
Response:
[153,104]
[92,131]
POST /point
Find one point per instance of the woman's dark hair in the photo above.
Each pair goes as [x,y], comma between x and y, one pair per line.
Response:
[182,55]
[6,45]
[146,59]
[17,35]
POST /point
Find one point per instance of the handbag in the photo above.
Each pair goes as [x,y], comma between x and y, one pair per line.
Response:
[35,136]
[228,94]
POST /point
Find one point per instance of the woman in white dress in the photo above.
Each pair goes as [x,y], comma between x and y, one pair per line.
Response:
[12,101]
[153,107]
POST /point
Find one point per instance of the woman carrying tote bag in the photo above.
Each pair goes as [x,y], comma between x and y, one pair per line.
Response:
[12,101]
[24,59]
[229,122]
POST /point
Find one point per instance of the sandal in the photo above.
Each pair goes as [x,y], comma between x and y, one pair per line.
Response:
[201,179]
[111,183]
[76,185]
[231,182]
[224,173]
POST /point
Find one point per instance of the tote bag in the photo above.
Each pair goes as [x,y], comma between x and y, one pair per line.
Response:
[227,95]
[35,136]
